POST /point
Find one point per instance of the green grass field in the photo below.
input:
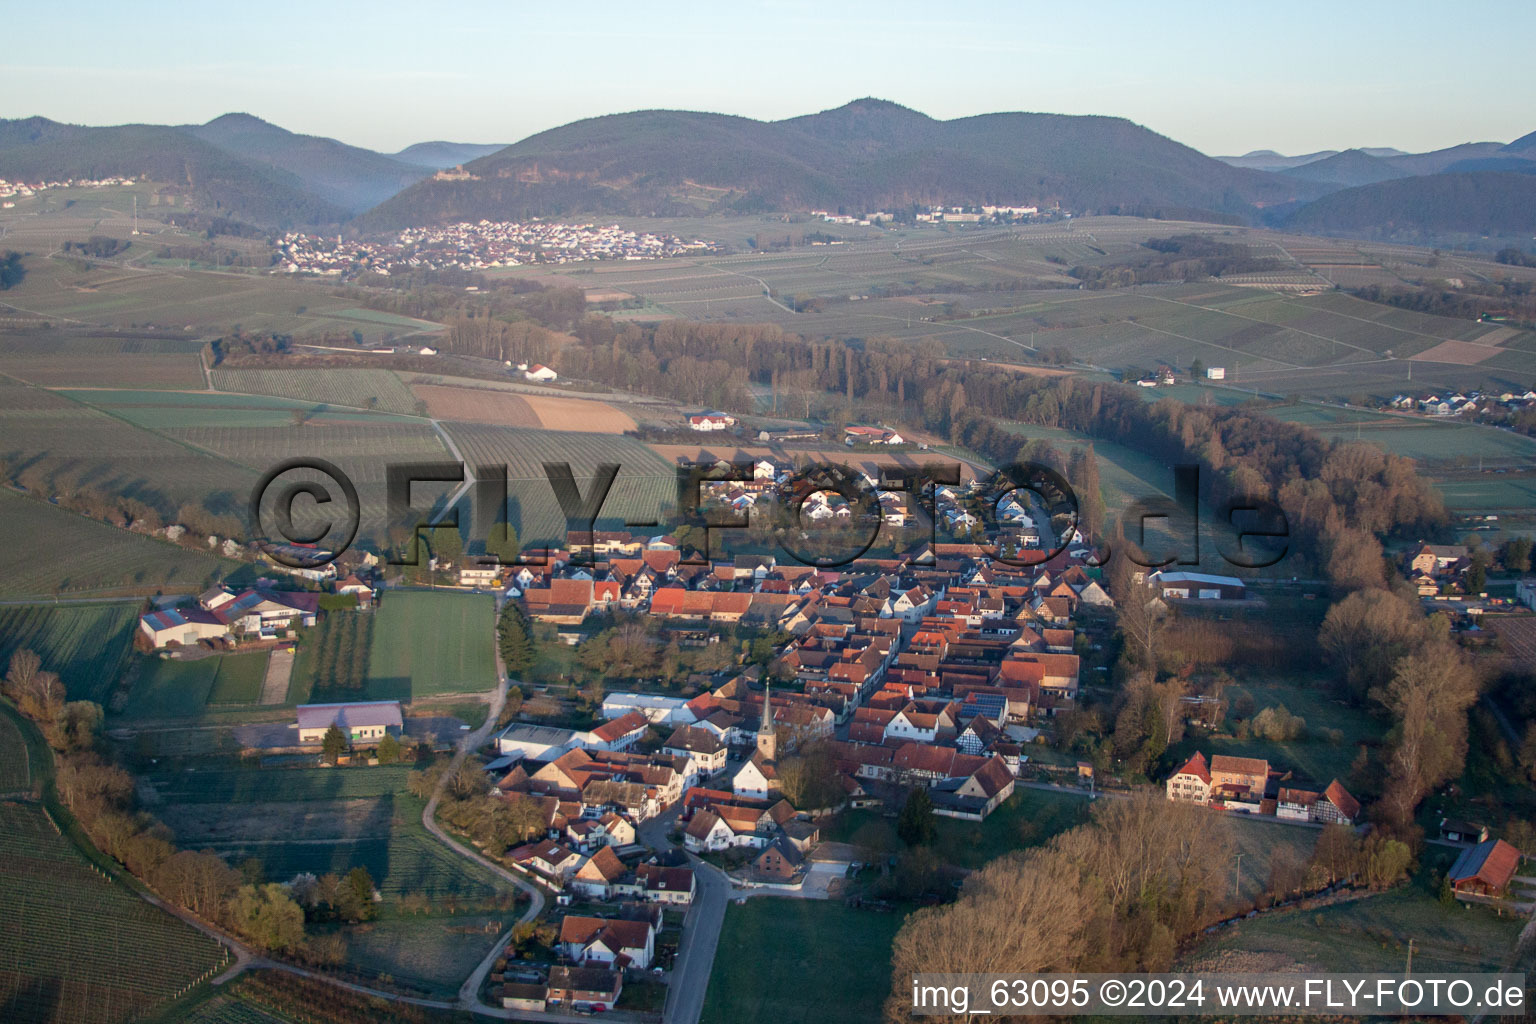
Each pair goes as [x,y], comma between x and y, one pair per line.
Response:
[84,644]
[1028,818]
[427,643]
[239,679]
[172,688]
[1314,755]
[363,389]
[77,948]
[800,962]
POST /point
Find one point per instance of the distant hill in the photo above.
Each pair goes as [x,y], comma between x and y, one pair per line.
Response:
[1438,205]
[1524,144]
[1348,169]
[346,176]
[236,165]
[1269,160]
[869,154]
[213,179]
[441,155]
[1441,159]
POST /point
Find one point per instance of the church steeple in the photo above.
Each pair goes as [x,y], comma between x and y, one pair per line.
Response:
[767,739]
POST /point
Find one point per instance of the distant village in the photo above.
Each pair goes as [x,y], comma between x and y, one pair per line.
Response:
[979,214]
[482,245]
[1456,403]
[10,191]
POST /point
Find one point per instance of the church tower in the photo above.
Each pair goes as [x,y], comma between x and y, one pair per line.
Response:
[767,739]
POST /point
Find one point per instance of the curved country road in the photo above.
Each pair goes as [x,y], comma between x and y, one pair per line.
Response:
[469,993]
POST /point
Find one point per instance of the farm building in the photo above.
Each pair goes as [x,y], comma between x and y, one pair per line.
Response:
[540,372]
[535,742]
[871,435]
[1198,586]
[707,421]
[657,708]
[223,613]
[184,626]
[1484,869]
[361,721]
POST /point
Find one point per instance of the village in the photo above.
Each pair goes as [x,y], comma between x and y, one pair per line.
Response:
[481,245]
[10,191]
[935,671]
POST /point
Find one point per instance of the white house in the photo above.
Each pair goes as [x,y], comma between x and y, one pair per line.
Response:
[656,708]
[362,721]
[709,421]
[540,372]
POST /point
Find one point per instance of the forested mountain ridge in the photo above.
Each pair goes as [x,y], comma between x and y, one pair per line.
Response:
[866,155]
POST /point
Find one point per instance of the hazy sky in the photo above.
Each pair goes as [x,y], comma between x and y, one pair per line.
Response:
[1224,78]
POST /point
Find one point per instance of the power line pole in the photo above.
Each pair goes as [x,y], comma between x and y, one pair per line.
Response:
[1237,869]
[1408,970]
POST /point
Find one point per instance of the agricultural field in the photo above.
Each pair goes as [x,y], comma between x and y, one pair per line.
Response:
[1299,335]
[1513,492]
[233,439]
[332,663]
[54,553]
[84,644]
[319,820]
[1438,444]
[505,408]
[428,643]
[172,687]
[435,953]
[645,489]
[220,1010]
[56,442]
[776,962]
[69,931]
[360,389]
[100,359]
[127,294]
[15,759]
